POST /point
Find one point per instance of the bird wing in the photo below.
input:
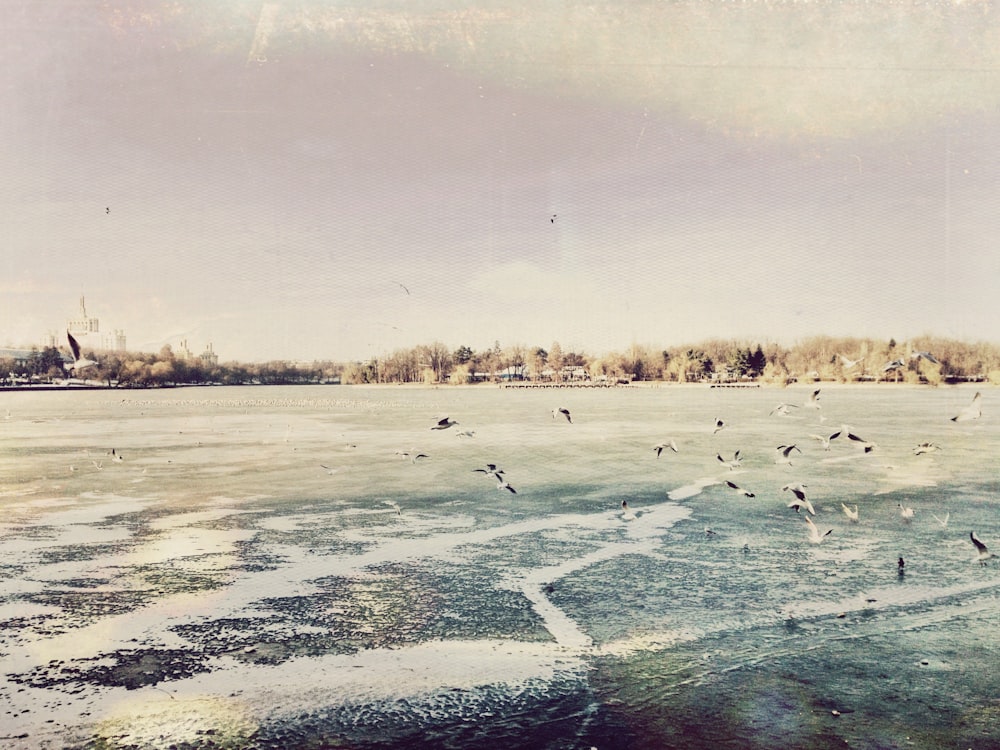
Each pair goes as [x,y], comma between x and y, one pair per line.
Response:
[73,345]
[975,540]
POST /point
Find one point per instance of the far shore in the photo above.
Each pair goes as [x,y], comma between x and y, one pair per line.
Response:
[829,384]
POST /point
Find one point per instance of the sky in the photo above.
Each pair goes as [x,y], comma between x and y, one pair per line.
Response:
[304,180]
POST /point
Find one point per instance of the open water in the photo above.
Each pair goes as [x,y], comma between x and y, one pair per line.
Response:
[211,584]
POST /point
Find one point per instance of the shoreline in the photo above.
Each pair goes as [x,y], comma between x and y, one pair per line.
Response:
[645,384]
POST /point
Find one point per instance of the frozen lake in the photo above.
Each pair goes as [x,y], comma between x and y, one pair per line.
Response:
[211,583]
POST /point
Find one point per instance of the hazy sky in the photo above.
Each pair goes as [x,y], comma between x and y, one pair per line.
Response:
[302,179]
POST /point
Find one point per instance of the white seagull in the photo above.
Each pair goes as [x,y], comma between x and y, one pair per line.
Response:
[925,355]
[740,490]
[491,470]
[850,363]
[825,440]
[984,554]
[852,515]
[785,452]
[414,457]
[972,411]
[845,431]
[564,411]
[79,362]
[329,469]
[926,448]
[943,521]
[782,409]
[905,512]
[814,536]
[719,425]
[896,364]
[502,484]
[444,424]
[627,514]
[800,501]
[660,447]
[734,464]
[813,401]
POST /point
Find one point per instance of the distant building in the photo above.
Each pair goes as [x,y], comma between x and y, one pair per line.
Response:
[87,331]
[20,357]
[115,341]
[85,324]
[209,357]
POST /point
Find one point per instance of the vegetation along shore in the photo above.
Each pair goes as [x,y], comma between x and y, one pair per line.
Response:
[925,360]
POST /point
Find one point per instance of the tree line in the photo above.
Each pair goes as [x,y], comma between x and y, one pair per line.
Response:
[144,370]
[818,358]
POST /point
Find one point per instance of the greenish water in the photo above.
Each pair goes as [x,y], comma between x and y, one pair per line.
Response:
[218,585]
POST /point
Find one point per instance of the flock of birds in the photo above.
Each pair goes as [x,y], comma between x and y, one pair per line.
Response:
[784,455]
[800,502]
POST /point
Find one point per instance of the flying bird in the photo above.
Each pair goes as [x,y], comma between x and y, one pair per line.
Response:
[984,554]
[852,515]
[925,355]
[444,424]
[814,536]
[782,409]
[799,490]
[719,425]
[800,501]
[813,401]
[414,457]
[896,364]
[740,490]
[942,521]
[564,412]
[905,512]
[785,452]
[329,469]
[850,363]
[660,447]
[491,470]
[972,411]
[79,362]
[825,439]
[627,514]
[926,448]
[733,464]
[502,484]
[845,431]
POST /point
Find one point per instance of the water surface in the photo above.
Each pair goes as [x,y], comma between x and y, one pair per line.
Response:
[212,582]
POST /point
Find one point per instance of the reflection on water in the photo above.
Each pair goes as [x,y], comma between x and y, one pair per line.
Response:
[262,569]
